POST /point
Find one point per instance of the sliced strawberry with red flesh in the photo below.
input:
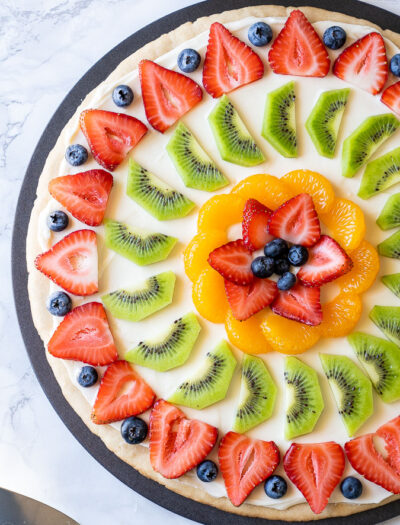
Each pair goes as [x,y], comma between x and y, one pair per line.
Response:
[327,261]
[246,301]
[72,263]
[233,262]
[315,469]
[298,50]
[84,335]
[110,136]
[85,195]
[390,432]
[391,97]
[229,62]
[245,463]
[296,221]
[300,303]
[255,225]
[364,63]
[367,461]
[177,444]
[167,95]
[122,393]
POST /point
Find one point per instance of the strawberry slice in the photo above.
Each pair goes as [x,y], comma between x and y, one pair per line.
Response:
[84,335]
[167,95]
[298,50]
[327,261]
[315,469]
[245,463]
[255,225]
[122,393]
[229,62]
[296,221]
[390,432]
[72,263]
[300,303]
[110,136]
[364,63]
[246,301]
[391,97]
[85,194]
[233,262]
[368,462]
[177,444]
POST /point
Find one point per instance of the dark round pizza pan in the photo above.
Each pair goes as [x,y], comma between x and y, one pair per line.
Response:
[150,489]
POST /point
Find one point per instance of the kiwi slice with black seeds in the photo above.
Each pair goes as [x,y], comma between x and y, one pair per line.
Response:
[192,163]
[365,140]
[169,350]
[381,360]
[380,174]
[392,281]
[324,121]
[279,123]
[387,319]
[234,142]
[150,296]
[211,381]
[390,214]
[156,197]
[390,247]
[257,395]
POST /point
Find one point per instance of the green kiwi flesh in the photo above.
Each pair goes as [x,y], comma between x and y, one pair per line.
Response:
[210,382]
[304,402]
[234,142]
[192,163]
[279,123]
[381,361]
[380,174]
[351,389]
[365,140]
[387,319]
[257,395]
[324,121]
[390,214]
[390,247]
[150,296]
[169,350]
[392,281]
[156,197]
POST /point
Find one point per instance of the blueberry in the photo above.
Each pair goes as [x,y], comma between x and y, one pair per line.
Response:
[281,266]
[287,281]
[59,303]
[262,267]
[207,471]
[298,255]
[122,96]
[57,221]
[188,60]
[395,65]
[334,37]
[276,248]
[76,155]
[260,34]
[134,430]
[275,487]
[87,376]
[351,488]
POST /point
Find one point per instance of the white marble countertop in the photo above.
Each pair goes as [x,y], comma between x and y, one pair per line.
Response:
[45,47]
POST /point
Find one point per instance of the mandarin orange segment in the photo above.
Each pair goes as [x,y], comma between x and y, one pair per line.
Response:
[197,251]
[220,212]
[209,296]
[366,266]
[340,316]
[345,220]
[267,189]
[313,183]
[247,335]
[287,336]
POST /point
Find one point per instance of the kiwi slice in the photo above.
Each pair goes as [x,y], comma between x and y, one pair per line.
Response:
[234,142]
[351,389]
[380,174]
[390,214]
[381,360]
[140,246]
[257,395]
[325,118]
[390,247]
[150,296]
[156,197]
[211,381]
[171,349]
[365,140]
[304,402]
[387,319]
[192,163]
[279,124]
[392,282]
